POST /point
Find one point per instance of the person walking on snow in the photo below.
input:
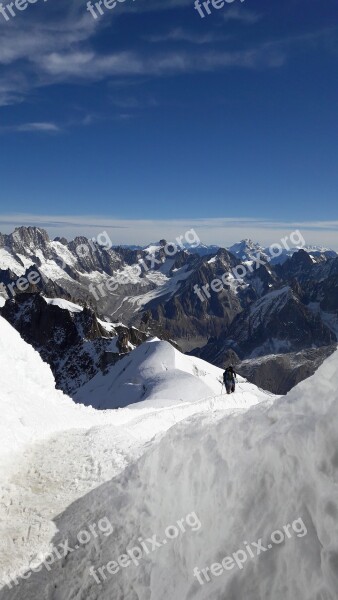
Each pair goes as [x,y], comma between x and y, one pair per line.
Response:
[229,378]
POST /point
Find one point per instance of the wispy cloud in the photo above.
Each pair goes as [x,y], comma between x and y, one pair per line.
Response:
[59,45]
[42,127]
[91,65]
[241,14]
[56,27]
[182,35]
[38,127]
[222,231]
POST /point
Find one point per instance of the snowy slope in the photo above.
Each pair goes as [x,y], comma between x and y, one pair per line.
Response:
[158,374]
[164,286]
[269,304]
[53,452]
[64,304]
[244,477]
[31,407]
[8,261]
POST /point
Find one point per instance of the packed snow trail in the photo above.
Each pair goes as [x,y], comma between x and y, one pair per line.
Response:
[54,451]
[244,476]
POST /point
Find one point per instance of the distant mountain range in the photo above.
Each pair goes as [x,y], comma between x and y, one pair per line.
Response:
[286,306]
[245,249]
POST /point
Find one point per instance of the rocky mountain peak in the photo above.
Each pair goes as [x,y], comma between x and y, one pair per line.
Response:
[301,257]
[62,240]
[246,248]
[29,237]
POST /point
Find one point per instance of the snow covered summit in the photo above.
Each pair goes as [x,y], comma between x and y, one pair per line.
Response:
[160,375]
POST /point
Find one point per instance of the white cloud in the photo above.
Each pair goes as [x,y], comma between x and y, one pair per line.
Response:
[90,65]
[222,231]
[242,14]
[43,127]
[181,35]
[55,43]
[38,127]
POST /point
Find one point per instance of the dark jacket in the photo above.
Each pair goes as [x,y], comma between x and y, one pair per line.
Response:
[229,375]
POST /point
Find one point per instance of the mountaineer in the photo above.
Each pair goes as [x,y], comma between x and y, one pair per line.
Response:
[229,378]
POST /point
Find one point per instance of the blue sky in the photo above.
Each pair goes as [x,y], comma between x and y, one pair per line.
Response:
[151,114]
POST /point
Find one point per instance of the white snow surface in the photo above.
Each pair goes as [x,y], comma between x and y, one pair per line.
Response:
[31,407]
[62,251]
[8,261]
[54,451]
[245,473]
[158,374]
[64,304]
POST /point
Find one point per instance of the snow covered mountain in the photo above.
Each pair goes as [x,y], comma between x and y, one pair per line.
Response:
[246,249]
[149,285]
[157,374]
[172,297]
[69,337]
[155,503]
[205,250]
[277,322]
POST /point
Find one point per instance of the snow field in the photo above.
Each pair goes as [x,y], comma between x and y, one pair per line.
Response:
[158,374]
[246,465]
[64,304]
[244,476]
[54,451]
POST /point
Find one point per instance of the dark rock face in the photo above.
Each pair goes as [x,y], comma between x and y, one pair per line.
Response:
[185,316]
[90,256]
[277,322]
[321,286]
[7,276]
[75,344]
[280,373]
[262,280]
[25,237]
